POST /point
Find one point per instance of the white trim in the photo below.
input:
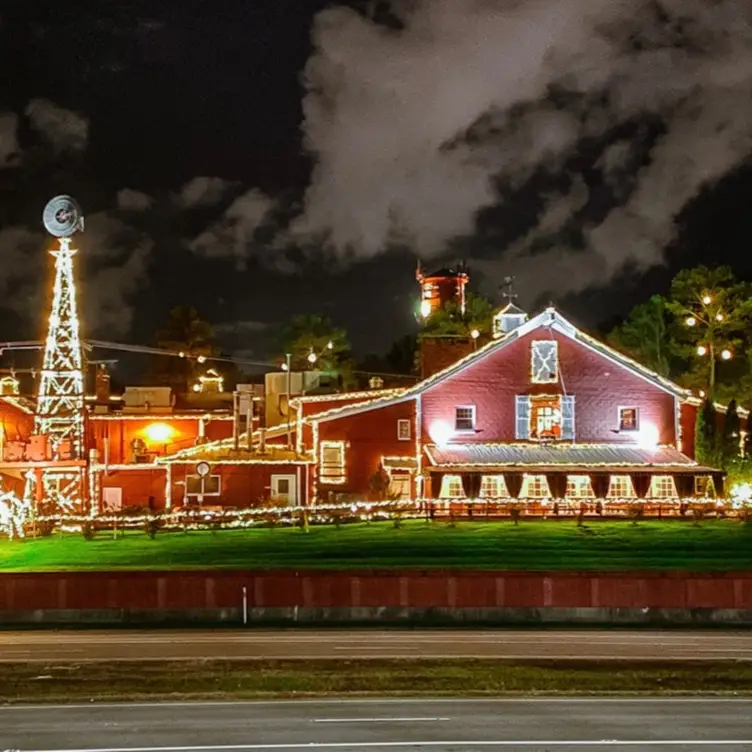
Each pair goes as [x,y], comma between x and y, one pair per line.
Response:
[474,418]
[547,318]
[404,423]
[629,431]
[534,351]
[218,492]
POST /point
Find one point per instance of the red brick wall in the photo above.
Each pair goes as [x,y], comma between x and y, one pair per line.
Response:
[240,485]
[188,590]
[137,484]
[598,385]
[370,435]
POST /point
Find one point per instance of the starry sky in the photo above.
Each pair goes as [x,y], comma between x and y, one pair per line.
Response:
[261,159]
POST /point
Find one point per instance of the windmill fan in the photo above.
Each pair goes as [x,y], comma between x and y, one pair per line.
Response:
[62,217]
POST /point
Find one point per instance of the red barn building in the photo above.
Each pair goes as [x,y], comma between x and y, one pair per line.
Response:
[543,412]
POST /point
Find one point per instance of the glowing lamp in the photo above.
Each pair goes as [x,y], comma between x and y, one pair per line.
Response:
[719,317]
[284,366]
[159,433]
[201,359]
[702,392]
[648,437]
[425,308]
[196,387]
[707,300]
[701,350]
[741,493]
[726,354]
[690,321]
[312,357]
[440,432]
[330,345]
[475,334]
[181,354]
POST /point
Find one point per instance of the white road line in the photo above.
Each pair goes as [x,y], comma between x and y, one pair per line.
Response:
[378,720]
[643,743]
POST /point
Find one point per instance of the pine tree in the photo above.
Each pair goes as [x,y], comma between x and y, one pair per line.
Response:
[706,436]
[730,436]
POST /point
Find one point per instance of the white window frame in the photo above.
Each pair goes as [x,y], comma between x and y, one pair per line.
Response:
[535,486]
[473,415]
[621,480]
[451,483]
[620,409]
[332,477]
[663,487]
[537,376]
[404,429]
[579,487]
[493,487]
[205,478]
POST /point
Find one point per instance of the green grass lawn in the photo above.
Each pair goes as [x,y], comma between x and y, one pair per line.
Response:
[533,545]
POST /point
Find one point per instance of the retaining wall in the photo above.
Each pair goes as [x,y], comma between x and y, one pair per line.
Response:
[376,596]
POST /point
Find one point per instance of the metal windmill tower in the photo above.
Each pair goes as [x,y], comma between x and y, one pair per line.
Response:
[60,409]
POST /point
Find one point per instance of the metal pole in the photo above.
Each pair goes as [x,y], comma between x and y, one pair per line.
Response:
[245,606]
[235,420]
[288,359]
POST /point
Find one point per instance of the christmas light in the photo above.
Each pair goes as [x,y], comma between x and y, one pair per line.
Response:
[701,349]
[690,321]
[726,354]
[707,300]
[719,317]
[475,334]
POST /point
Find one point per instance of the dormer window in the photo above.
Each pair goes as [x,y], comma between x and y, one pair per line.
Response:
[544,362]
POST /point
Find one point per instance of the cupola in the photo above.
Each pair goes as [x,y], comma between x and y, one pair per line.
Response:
[508,319]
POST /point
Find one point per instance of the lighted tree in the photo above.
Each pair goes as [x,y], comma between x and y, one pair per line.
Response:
[476,320]
[187,333]
[644,335]
[730,435]
[714,310]
[313,341]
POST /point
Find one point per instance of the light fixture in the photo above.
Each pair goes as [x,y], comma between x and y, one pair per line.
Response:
[312,357]
[330,345]
[707,300]
[648,436]
[726,354]
[719,317]
[201,359]
[196,387]
[701,350]
[475,334]
[690,321]
[284,366]
[702,392]
[159,433]
[425,308]
[181,354]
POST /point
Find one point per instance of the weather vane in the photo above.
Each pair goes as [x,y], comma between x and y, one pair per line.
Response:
[508,289]
[62,217]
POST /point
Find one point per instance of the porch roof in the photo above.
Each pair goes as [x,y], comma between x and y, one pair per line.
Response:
[225,455]
[585,457]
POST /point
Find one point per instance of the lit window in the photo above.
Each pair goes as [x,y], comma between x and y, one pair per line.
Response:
[535,487]
[704,486]
[579,487]
[544,365]
[629,419]
[621,487]
[451,487]
[464,418]
[400,485]
[545,418]
[493,487]
[208,485]
[663,487]
[332,462]
[403,429]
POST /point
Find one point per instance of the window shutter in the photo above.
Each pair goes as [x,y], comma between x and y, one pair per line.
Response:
[522,423]
[567,418]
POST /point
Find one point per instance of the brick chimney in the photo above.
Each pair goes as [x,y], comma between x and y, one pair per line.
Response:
[438,353]
[102,383]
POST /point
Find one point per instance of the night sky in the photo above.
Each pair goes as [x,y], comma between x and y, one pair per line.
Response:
[260,159]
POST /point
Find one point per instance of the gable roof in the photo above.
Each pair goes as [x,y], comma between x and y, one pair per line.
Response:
[550,318]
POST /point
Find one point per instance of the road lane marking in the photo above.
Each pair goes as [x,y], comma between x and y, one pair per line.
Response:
[378,720]
[642,743]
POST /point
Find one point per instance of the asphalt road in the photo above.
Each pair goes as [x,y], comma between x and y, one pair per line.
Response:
[458,725]
[123,645]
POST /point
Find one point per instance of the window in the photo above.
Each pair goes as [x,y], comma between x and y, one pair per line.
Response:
[548,417]
[621,487]
[579,487]
[663,487]
[704,486]
[400,484]
[544,365]
[451,487]
[493,487]
[403,429]
[464,418]
[208,485]
[629,419]
[535,487]
[332,462]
